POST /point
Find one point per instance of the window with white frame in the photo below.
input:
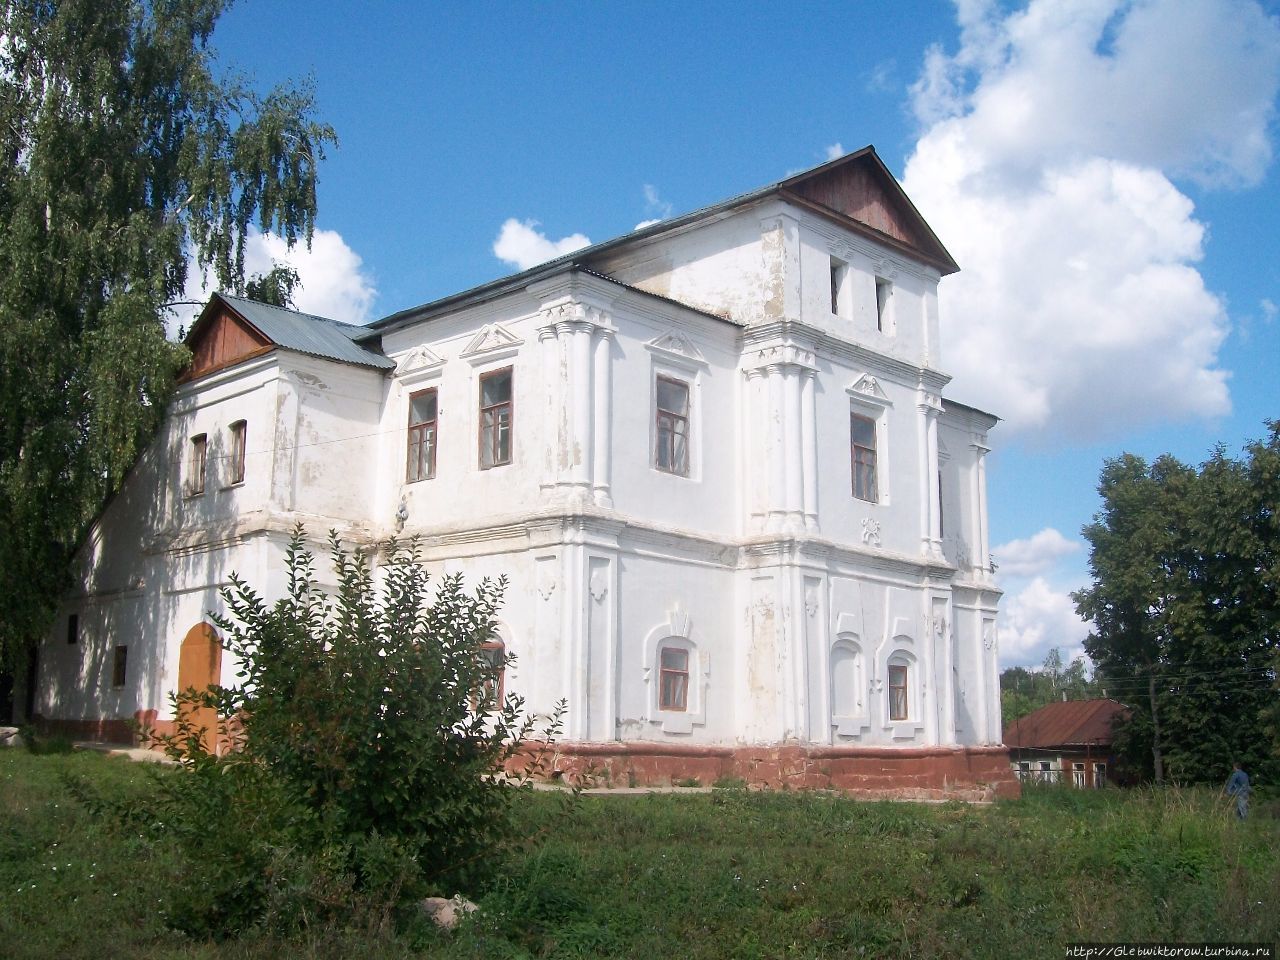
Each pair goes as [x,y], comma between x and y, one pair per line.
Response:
[421,453]
[673,678]
[1077,774]
[899,691]
[496,418]
[863,457]
[671,425]
[1099,775]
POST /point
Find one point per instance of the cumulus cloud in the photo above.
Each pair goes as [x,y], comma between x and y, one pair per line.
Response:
[332,279]
[1036,619]
[1034,555]
[835,151]
[1052,139]
[522,245]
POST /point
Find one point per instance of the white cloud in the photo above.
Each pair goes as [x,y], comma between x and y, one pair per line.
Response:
[332,281]
[1052,137]
[1034,555]
[523,246]
[645,223]
[835,151]
[1035,620]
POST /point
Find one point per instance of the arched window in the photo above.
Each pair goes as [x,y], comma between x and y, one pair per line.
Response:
[493,687]
[673,678]
[901,680]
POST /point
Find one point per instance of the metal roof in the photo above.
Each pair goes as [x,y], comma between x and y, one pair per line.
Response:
[583,258]
[309,334]
[1066,724]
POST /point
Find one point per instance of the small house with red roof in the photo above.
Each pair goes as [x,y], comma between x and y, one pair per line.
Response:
[1067,742]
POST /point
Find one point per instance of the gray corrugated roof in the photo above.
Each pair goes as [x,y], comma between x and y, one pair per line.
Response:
[307,333]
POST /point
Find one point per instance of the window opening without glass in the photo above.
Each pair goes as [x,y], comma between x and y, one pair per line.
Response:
[495,418]
[884,290]
[119,666]
[672,402]
[673,679]
[238,436]
[862,435]
[199,454]
[422,436]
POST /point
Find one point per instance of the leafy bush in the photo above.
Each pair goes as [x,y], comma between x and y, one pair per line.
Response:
[368,749]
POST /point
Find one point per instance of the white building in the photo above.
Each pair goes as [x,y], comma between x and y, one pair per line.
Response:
[746,535]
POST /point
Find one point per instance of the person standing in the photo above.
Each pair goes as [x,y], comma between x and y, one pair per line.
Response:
[1238,787]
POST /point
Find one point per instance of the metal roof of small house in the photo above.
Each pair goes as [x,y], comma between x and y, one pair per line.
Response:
[1070,723]
[308,333]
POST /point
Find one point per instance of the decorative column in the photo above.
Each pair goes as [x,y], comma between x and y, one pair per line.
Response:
[601,419]
[928,406]
[809,450]
[776,452]
[792,432]
[982,559]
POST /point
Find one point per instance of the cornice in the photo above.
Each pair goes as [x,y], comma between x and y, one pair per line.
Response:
[825,345]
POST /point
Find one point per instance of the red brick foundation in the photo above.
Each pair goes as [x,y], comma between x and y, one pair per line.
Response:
[918,773]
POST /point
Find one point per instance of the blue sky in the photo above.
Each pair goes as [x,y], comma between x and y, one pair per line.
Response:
[1102,170]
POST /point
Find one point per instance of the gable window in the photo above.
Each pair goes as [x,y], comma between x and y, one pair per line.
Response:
[196,464]
[119,666]
[422,436]
[884,293]
[673,679]
[897,691]
[671,399]
[862,438]
[495,418]
[238,437]
[73,628]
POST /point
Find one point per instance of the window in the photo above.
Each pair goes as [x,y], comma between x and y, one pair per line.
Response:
[897,691]
[493,689]
[238,431]
[195,473]
[1077,774]
[73,628]
[422,436]
[884,291]
[862,435]
[673,679]
[1099,775]
[839,274]
[671,398]
[1024,770]
[495,418]
[119,666]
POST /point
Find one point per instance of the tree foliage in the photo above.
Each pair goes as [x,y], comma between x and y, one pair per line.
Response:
[1185,607]
[369,744]
[1023,691]
[126,155]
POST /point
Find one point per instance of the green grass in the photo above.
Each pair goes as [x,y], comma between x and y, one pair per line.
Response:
[726,874]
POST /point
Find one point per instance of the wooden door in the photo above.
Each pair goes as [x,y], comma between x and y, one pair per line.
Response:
[199,665]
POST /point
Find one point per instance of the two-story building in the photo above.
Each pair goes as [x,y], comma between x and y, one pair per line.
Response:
[746,535]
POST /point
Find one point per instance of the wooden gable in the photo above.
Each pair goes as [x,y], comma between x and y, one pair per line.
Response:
[860,188]
[220,338]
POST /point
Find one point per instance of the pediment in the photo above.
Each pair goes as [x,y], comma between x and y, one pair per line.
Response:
[676,347]
[493,340]
[860,188]
[419,359]
[868,388]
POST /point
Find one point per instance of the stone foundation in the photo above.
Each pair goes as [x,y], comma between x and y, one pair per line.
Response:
[916,773]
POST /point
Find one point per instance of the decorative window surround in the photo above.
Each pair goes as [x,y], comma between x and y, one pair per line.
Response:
[675,349]
[674,635]
[493,342]
[867,399]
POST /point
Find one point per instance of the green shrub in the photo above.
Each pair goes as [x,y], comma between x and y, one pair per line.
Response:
[369,746]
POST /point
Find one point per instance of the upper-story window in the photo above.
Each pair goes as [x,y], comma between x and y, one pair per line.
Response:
[422,435]
[839,284]
[884,298]
[862,438]
[671,402]
[495,418]
[197,460]
[239,435]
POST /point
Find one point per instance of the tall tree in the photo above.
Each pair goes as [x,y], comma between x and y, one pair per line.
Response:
[125,156]
[1184,606]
